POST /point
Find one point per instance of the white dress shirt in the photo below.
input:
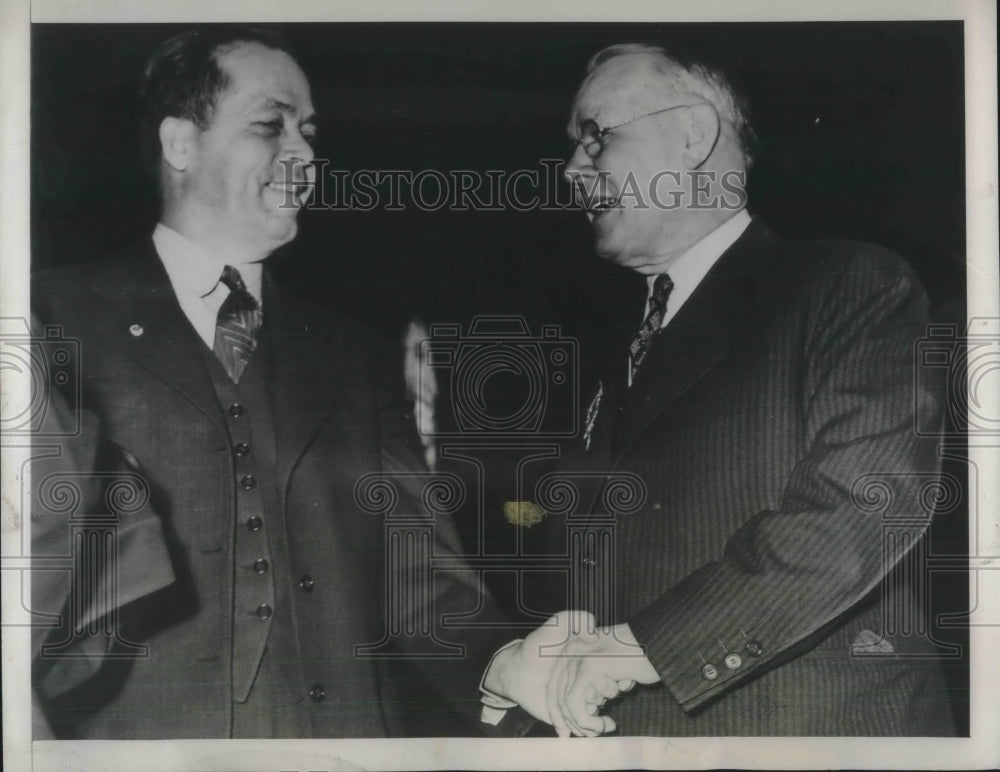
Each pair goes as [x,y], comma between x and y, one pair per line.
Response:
[692,266]
[195,277]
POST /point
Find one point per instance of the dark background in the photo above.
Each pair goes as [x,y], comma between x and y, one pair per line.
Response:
[862,127]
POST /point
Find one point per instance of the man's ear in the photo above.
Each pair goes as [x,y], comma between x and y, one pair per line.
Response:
[177,137]
[702,134]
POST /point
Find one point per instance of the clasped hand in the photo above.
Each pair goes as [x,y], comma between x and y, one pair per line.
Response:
[565,671]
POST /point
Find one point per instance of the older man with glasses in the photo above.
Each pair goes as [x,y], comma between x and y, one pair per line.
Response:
[766,400]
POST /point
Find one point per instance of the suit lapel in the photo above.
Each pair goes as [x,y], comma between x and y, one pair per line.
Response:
[306,362]
[143,313]
[698,337]
[682,354]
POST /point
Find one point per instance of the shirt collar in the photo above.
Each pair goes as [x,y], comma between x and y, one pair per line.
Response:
[196,271]
[695,263]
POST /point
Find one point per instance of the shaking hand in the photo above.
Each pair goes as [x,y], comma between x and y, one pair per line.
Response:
[563,672]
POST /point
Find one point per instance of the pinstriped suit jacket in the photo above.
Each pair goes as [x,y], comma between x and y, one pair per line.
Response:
[773,427]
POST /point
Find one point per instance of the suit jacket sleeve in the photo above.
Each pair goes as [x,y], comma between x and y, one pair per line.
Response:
[456,588]
[787,573]
[79,481]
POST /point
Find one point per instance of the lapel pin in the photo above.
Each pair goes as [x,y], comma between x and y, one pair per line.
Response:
[136,330]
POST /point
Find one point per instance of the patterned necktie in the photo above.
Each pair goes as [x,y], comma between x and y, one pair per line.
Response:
[237,326]
[641,342]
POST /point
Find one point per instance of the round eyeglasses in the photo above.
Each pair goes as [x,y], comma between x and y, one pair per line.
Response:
[592,136]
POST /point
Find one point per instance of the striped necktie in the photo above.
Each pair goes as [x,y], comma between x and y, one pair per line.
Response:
[237,325]
[642,341]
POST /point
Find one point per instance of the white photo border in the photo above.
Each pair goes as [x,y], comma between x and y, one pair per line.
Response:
[980,750]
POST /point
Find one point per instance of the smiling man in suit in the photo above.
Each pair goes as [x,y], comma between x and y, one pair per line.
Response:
[251,416]
[764,392]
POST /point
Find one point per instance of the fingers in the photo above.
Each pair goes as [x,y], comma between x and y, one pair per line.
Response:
[583,718]
[553,695]
[580,713]
[569,678]
[552,701]
[607,688]
[576,688]
[566,676]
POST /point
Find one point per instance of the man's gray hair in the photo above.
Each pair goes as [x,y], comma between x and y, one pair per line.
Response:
[687,74]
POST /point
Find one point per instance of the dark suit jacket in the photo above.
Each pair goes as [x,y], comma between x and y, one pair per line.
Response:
[772,427]
[82,486]
[339,417]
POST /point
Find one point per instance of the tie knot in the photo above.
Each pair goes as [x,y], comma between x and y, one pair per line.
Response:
[239,296]
[232,279]
[661,287]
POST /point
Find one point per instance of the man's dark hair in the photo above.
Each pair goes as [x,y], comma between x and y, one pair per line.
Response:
[183,78]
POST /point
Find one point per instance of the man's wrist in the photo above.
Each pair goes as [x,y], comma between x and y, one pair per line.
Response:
[493,684]
[643,670]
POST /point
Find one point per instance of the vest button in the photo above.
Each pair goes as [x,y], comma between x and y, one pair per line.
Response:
[260,566]
[317,693]
[264,611]
[307,583]
[236,410]
[248,482]
[754,648]
[255,523]
[241,449]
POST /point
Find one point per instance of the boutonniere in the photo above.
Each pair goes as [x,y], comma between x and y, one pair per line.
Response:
[591,416]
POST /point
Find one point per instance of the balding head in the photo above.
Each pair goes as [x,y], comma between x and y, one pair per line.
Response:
[674,75]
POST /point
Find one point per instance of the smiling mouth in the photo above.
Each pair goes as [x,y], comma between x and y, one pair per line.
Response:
[296,193]
[603,205]
[594,201]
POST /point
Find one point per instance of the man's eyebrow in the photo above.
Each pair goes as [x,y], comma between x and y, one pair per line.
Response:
[286,107]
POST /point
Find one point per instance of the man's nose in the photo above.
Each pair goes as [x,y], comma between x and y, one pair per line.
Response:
[581,175]
[578,163]
[297,147]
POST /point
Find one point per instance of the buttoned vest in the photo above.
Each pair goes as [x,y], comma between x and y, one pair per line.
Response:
[261,614]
